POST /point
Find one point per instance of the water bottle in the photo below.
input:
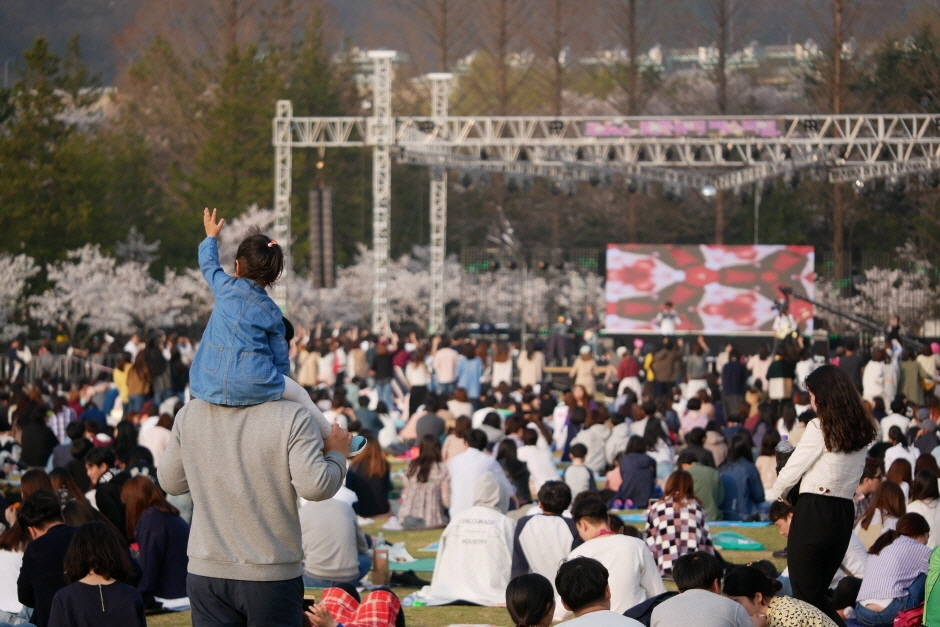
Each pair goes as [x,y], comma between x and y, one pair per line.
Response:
[783,451]
[380,539]
[408,601]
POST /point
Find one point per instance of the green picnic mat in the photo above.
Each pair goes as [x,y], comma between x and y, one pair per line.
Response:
[422,565]
[731,541]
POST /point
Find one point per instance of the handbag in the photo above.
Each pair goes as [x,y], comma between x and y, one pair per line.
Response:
[927,384]
[913,617]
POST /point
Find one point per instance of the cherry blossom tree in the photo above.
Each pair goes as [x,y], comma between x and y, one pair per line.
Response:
[86,294]
[15,271]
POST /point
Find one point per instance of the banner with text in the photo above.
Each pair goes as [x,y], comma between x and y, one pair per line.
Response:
[716,290]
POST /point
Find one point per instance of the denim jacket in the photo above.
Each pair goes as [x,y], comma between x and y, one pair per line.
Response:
[242,358]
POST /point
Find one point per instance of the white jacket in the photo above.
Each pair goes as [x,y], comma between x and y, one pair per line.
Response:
[823,472]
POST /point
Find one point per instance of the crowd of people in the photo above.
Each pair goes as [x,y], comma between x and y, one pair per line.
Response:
[523,469]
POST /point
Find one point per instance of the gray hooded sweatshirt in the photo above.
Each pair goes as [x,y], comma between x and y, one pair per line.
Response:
[245,468]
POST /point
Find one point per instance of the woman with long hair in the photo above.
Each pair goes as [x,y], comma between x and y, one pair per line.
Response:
[469,373]
[766,462]
[161,536]
[900,449]
[638,475]
[744,491]
[64,485]
[531,365]
[677,523]
[425,495]
[896,574]
[516,471]
[900,472]
[454,444]
[925,500]
[119,378]
[827,463]
[368,476]
[417,376]
[886,507]
[659,446]
[138,383]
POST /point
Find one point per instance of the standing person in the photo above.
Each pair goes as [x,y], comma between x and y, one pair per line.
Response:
[97,567]
[828,461]
[445,367]
[667,320]
[162,537]
[582,371]
[851,364]
[531,365]
[138,383]
[418,379]
[469,373]
[502,365]
[383,371]
[912,376]
[247,570]
[733,382]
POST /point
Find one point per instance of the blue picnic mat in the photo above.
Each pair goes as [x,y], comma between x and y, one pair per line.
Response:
[731,541]
[422,565]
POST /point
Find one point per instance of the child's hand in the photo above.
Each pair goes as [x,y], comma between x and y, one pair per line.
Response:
[213,228]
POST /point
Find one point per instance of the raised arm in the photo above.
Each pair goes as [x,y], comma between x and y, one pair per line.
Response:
[209,251]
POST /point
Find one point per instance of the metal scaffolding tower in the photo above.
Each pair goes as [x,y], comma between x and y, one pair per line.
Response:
[691,151]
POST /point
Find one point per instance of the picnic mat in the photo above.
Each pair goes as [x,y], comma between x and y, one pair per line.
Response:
[422,565]
[431,548]
[731,541]
[641,518]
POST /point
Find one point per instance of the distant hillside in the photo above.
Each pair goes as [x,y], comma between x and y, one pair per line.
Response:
[372,23]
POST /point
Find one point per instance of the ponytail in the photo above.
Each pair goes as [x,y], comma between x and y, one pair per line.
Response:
[883,542]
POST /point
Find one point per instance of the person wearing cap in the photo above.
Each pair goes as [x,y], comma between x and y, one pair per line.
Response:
[926,439]
[582,372]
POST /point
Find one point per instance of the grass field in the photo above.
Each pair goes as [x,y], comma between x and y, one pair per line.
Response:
[441,616]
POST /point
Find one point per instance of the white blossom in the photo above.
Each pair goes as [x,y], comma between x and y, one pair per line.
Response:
[14,272]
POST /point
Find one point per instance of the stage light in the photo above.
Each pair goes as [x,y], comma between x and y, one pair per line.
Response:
[542,265]
[556,127]
[709,191]
[466,180]
[511,264]
[594,179]
[632,186]
[556,187]
[512,185]
[426,126]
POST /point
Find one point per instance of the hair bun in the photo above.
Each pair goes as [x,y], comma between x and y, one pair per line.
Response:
[776,585]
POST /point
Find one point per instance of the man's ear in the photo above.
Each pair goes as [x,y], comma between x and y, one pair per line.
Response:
[607,593]
[565,605]
[716,586]
[33,532]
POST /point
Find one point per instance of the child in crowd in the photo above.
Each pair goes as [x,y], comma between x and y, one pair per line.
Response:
[95,564]
[243,356]
[578,476]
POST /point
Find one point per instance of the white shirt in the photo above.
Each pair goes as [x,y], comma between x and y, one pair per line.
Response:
[634,576]
[545,542]
[617,442]
[894,420]
[930,510]
[445,365]
[823,472]
[476,419]
[465,470]
[666,319]
[10,564]
[541,465]
[899,452]
[603,618]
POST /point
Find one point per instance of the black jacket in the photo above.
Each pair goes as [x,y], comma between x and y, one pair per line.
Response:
[41,575]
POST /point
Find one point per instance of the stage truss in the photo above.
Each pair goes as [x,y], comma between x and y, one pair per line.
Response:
[700,152]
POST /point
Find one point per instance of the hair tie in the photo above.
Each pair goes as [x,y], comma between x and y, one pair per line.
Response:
[272,243]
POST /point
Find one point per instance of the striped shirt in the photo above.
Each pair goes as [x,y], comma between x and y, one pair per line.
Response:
[889,574]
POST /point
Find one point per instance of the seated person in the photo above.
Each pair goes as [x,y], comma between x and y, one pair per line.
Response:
[698,577]
[578,476]
[530,600]
[676,523]
[482,536]
[896,575]
[41,575]
[543,541]
[343,606]
[634,576]
[757,595]
[582,585]
[335,547]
